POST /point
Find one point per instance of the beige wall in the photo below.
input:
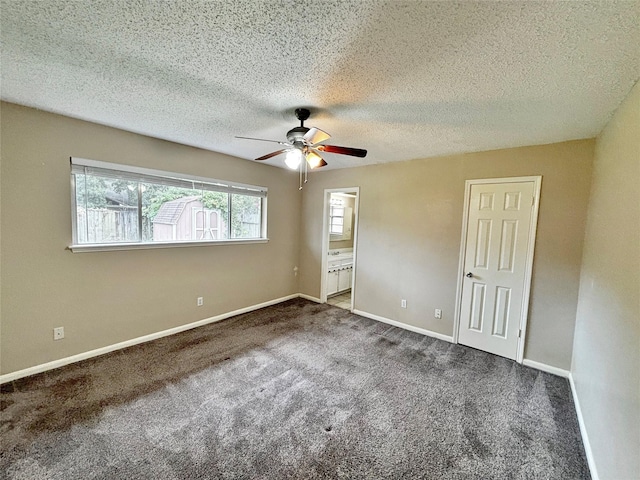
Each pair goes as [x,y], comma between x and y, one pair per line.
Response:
[103,298]
[606,353]
[409,237]
[409,240]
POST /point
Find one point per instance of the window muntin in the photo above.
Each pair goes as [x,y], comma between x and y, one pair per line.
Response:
[336,220]
[116,204]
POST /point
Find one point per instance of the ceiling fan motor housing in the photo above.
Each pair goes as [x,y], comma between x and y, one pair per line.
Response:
[307,142]
[295,136]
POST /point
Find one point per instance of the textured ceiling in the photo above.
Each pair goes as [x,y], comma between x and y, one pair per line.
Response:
[403,79]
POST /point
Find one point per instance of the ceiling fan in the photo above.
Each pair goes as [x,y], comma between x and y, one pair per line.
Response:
[306,143]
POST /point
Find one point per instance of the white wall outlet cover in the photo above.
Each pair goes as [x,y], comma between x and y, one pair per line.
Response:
[200,301]
[58,333]
[403,303]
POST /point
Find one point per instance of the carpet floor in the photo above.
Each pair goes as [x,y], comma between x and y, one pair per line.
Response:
[293,391]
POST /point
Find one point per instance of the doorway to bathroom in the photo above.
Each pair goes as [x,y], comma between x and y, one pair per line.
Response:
[339,246]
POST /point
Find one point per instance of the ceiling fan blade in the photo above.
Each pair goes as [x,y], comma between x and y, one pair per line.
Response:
[265,140]
[269,155]
[315,135]
[354,152]
[315,160]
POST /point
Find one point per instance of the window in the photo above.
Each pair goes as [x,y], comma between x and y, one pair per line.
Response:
[336,224]
[121,205]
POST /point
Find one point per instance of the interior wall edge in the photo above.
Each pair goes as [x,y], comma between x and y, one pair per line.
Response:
[606,353]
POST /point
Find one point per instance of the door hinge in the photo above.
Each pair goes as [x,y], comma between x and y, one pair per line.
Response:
[520,333]
[533,201]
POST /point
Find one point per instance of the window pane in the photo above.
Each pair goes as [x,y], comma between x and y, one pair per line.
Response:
[175,214]
[246,216]
[107,210]
[216,215]
[132,207]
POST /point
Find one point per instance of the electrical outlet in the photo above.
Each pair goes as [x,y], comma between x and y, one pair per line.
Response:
[438,313]
[403,303]
[200,301]
[58,333]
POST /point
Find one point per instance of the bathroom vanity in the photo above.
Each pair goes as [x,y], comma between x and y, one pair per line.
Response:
[340,271]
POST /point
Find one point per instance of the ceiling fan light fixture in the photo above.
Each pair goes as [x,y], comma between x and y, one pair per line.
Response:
[293,159]
[313,159]
[303,146]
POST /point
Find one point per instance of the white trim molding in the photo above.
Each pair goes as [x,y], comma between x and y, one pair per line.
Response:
[309,297]
[110,247]
[405,326]
[324,264]
[583,432]
[8,377]
[546,368]
[537,184]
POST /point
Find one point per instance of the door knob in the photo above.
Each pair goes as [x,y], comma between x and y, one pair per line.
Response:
[469,275]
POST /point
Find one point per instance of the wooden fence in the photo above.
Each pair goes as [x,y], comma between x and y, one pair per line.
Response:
[120,224]
[105,225]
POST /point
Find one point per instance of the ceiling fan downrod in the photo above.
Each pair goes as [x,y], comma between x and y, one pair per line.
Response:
[302,114]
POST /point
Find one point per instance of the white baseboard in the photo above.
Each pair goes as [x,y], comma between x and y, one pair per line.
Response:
[309,297]
[546,368]
[8,377]
[583,431]
[411,328]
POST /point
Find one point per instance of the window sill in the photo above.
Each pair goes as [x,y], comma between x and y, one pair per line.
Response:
[108,247]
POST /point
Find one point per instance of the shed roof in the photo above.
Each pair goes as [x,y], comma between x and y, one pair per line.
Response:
[170,212]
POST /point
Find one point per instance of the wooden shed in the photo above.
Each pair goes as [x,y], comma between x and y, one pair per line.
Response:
[186,218]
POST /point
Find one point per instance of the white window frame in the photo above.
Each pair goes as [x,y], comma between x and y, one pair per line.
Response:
[332,215]
[82,165]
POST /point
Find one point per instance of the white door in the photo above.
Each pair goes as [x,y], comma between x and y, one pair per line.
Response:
[495,265]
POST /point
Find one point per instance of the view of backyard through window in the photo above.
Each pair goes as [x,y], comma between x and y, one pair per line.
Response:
[121,210]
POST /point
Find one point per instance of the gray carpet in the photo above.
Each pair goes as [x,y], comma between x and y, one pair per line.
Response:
[297,390]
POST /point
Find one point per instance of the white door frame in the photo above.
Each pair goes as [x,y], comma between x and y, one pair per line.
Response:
[524,313]
[325,240]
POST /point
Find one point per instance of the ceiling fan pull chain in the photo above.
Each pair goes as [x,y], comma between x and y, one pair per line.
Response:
[306,164]
[300,188]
